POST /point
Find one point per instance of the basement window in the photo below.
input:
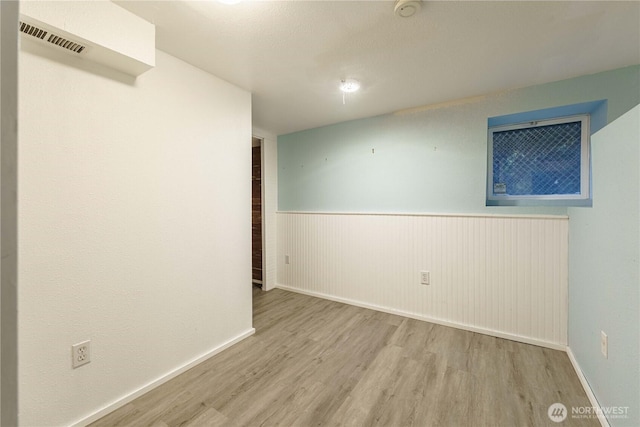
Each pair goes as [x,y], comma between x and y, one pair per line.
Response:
[542,158]
[539,161]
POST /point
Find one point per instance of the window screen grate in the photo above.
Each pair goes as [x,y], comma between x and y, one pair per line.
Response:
[543,160]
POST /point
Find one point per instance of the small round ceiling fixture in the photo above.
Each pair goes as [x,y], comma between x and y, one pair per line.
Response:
[349,85]
[407,8]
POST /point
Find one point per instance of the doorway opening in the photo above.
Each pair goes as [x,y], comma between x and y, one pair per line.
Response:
[256,213]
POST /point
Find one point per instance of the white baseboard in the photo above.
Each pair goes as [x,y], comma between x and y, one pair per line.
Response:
[587,388]
[498,334]
[163,379]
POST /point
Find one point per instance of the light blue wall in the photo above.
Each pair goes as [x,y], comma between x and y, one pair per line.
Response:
[425,160]
[604,270]
[434,160]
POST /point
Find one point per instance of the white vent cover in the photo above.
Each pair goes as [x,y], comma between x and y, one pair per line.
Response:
[45,35]
[98,31]
[32,30]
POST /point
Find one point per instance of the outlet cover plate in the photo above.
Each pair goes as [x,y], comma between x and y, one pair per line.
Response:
[604,344]
[80,354]
[425,277]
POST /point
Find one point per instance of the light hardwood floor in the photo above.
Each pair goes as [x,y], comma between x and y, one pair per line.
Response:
[314,362]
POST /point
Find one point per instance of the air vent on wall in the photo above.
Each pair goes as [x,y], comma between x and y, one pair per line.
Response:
[64,43]
[39,33]
[85,29]
[32,30]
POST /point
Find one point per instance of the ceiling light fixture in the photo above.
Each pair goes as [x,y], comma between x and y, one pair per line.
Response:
[406,8]
[348,86]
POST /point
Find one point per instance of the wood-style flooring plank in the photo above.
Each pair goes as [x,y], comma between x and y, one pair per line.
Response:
[314,362]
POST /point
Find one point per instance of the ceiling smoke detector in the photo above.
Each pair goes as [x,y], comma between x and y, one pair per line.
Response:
[407,8]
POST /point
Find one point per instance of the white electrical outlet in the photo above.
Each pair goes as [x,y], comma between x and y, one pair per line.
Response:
[80,354]
[425,277]
[286,259]
[604,344]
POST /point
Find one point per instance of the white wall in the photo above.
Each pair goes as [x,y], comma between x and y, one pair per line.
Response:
[134,230]
[504,276]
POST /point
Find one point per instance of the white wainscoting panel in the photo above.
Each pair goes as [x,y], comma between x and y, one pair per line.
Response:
[501,275]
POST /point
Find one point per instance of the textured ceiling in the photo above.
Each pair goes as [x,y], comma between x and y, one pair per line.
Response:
[292,54]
